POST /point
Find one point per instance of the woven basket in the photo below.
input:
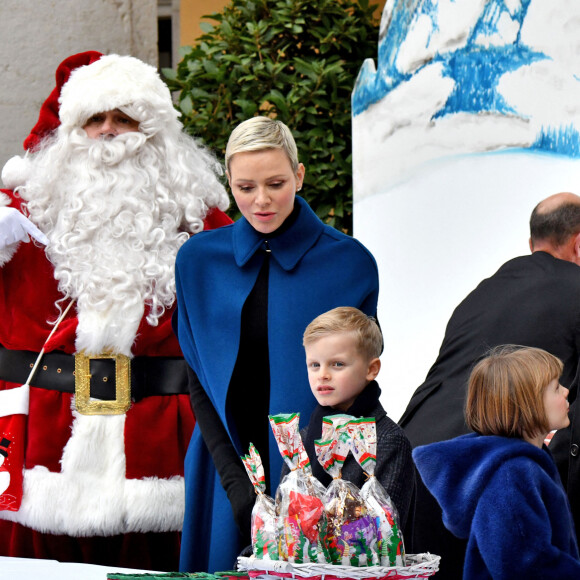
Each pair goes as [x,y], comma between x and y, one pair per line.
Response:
[229,575]
[418,566]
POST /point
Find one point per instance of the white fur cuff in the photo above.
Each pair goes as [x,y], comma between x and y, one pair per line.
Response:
[16,171]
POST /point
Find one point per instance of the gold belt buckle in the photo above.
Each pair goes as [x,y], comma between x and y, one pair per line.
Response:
[122,401]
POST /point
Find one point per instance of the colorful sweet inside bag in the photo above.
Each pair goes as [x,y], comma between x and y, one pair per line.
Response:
[340,531]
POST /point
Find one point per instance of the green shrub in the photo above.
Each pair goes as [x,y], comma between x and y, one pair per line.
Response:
[295,60]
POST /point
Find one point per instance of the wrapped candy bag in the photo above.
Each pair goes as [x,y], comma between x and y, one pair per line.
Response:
[363,435]
[264,544]
[350,535]
[299,507]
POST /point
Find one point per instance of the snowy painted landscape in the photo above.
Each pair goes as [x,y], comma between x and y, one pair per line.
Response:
[470,116]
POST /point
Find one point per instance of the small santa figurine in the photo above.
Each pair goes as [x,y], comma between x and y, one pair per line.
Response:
[93,216]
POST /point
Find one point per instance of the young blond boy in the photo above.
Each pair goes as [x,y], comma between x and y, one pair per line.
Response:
[342,348]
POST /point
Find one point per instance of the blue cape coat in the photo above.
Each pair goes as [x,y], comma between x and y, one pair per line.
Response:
[313,268]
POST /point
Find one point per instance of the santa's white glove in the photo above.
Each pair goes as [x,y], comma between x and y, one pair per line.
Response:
[14,227]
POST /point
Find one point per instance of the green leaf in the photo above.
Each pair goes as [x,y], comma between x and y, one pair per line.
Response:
[210,67]
[279,100]
[169,74]
[184,51]
[226,28]
[249,108]
[186,105]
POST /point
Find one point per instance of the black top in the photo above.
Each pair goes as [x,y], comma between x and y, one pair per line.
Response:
[531,301]
[249,389]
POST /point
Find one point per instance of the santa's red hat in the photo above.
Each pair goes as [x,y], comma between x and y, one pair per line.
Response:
[90,83]
[48,119]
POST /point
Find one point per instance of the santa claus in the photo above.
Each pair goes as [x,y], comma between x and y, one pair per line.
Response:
[93,389]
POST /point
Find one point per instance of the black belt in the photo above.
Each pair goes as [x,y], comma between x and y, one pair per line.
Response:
[149,375]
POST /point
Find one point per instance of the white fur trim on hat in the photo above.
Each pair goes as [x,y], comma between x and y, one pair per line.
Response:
[16,171]
[111,83]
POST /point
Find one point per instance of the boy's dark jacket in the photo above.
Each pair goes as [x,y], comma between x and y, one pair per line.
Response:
[394,469]
[505,496]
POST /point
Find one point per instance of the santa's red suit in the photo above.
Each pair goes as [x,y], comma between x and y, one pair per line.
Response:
[103,489]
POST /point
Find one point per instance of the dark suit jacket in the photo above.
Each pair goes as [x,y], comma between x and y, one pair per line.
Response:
[531,300]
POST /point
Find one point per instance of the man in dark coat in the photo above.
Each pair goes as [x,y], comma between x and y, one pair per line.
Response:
[531,300]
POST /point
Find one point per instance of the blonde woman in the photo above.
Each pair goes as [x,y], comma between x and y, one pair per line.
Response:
[245,297]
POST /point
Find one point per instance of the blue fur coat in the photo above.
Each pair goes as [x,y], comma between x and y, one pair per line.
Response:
[505,497]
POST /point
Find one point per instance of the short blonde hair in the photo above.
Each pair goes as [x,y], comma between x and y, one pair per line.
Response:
[365,329]
[505,394]
[259,133]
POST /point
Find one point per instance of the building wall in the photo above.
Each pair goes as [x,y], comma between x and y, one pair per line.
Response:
[35,36]
[191,12]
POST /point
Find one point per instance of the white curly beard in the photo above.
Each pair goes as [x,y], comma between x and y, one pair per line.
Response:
[114,231]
